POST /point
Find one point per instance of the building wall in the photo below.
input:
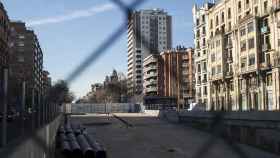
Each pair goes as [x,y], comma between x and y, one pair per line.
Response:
[172,75]
[242,50]
[201,34]
[4,37]
[26,63]
[149,31]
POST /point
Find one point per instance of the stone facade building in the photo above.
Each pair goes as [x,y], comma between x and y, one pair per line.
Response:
[241,63]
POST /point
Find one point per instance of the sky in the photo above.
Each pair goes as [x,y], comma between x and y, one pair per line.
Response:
[70,30]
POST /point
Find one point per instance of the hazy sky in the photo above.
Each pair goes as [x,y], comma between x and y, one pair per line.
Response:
[69,30]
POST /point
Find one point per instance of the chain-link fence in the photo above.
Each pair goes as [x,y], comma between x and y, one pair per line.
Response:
[27,122]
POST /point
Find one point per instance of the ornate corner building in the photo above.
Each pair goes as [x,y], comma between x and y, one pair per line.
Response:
[237,54]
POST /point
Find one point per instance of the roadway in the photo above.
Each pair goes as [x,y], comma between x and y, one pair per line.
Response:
[145,136]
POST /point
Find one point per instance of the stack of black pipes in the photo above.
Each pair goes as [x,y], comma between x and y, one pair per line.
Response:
[74,142]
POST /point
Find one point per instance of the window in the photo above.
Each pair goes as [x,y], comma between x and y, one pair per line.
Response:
[198,68]
[198,45]
[203,18]
[251,43]
[243,62]
[229,13]
[203,42]
[251,60]
[21,44]
[21,36]
[217,20]
[20,58]
[239,6]
[197,21]
[229,26]
[211,23]
[256,10]
[212,57]
[223,17]
[243,46]
[204,66]
[265,6]
[269,80]
[250,27]
[242,31]
[218,42]
[219,69]
[203,30]
[213,71]
[205,90]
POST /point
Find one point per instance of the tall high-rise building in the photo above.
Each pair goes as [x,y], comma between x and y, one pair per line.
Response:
[237,54]
[149,32]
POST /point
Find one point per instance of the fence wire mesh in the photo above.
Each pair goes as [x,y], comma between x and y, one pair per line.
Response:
[28,126]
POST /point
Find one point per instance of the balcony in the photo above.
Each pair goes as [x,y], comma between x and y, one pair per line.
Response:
[149,68]
[150,75]
[151,82]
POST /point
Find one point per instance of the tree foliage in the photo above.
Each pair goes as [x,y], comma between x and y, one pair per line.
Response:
[114,89]
[60,93]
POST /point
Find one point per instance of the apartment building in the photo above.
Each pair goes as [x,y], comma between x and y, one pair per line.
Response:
[149,31]
[201,34]
[170,74]
[242,47]
[4,39]
[26,64]
[153,75]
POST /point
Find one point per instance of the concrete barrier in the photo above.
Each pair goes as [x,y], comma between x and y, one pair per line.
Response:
[40,145]
[258,128]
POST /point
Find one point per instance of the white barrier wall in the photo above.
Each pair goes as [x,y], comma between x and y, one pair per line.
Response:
[103,108]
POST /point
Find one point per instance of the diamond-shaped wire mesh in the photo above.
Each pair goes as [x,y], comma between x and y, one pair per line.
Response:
[52,113]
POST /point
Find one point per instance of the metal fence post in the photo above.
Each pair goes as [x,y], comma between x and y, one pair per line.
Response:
[32,109]
[5,101]
[23,106]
